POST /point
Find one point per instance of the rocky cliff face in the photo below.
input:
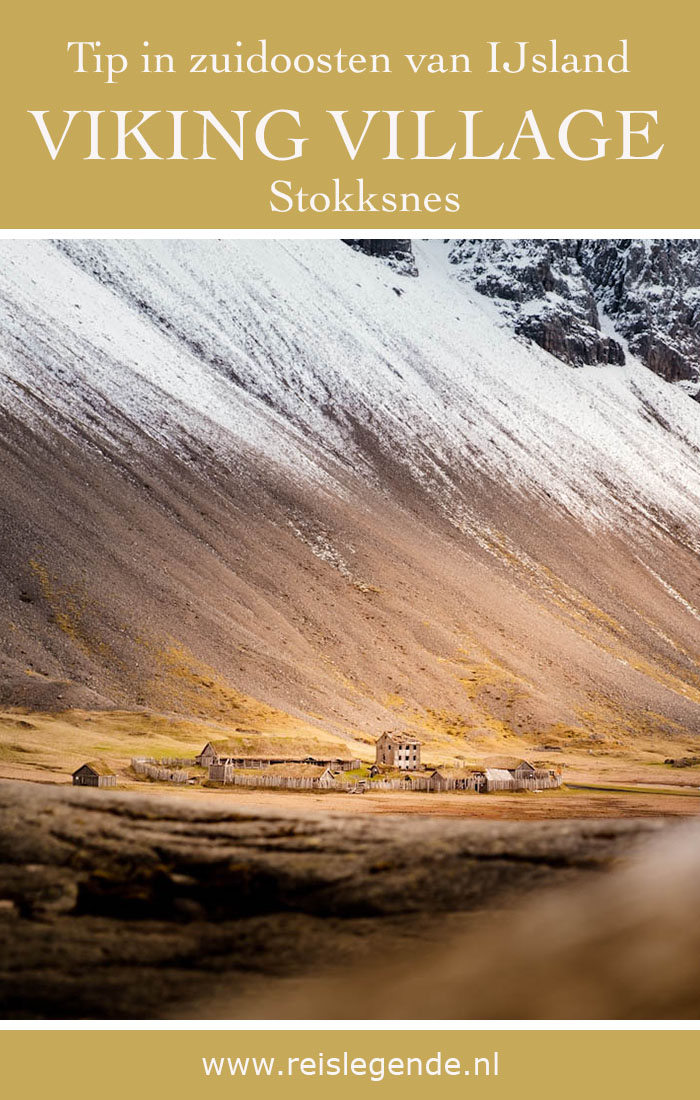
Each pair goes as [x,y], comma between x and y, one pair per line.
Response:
[651,290]
[562,293]
[541,287]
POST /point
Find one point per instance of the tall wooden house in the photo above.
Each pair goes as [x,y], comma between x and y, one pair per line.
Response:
[399,750]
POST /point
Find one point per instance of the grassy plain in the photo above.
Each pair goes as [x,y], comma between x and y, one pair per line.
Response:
[629,780]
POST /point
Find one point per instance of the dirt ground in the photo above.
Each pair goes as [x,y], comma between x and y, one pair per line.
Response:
[522,806]
[569,802]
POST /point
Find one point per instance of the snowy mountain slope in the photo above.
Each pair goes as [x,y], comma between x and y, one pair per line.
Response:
[283,472]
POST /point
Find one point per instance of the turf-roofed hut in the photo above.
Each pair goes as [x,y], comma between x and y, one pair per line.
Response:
[94,774]
[458,779]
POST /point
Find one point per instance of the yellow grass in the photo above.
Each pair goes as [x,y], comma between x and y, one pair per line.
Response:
[53,745]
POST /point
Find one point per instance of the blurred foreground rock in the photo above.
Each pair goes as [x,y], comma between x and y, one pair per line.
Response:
[622,947]
[121,905]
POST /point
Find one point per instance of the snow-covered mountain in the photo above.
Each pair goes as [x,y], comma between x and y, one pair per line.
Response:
[287,472]
[564,294]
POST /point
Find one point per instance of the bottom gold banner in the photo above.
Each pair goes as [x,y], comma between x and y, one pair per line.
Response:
[290,1064]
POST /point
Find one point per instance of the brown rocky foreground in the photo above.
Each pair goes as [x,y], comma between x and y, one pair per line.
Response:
[118,905]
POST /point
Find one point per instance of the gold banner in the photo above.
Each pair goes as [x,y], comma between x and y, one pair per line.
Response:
[492,1064]
[284,116]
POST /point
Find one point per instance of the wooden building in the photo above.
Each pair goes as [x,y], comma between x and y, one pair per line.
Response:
[335,763]
[509,773]
[208,755]
[498,779]
[399,750]
[458,779]
[326,778]
[546,779]
[518,767]
[94,774]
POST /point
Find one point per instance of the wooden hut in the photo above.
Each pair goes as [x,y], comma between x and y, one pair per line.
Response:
[326,778]
[498,779]
[546,779]
[524,770]
[508,773]
[335,763]
[209,755]
[94,774]
[458,779]
[519,768]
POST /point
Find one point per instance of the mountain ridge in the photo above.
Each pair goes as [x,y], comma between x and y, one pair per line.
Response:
[245,474]
[560,293]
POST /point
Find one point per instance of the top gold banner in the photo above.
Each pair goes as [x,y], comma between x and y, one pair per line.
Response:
[374,117]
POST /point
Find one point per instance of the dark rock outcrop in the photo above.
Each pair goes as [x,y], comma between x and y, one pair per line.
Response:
[651,290]
[398,254]
[540,287]
[555,292]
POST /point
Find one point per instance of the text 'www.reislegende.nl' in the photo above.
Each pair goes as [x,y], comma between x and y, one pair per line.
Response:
[345,1064]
